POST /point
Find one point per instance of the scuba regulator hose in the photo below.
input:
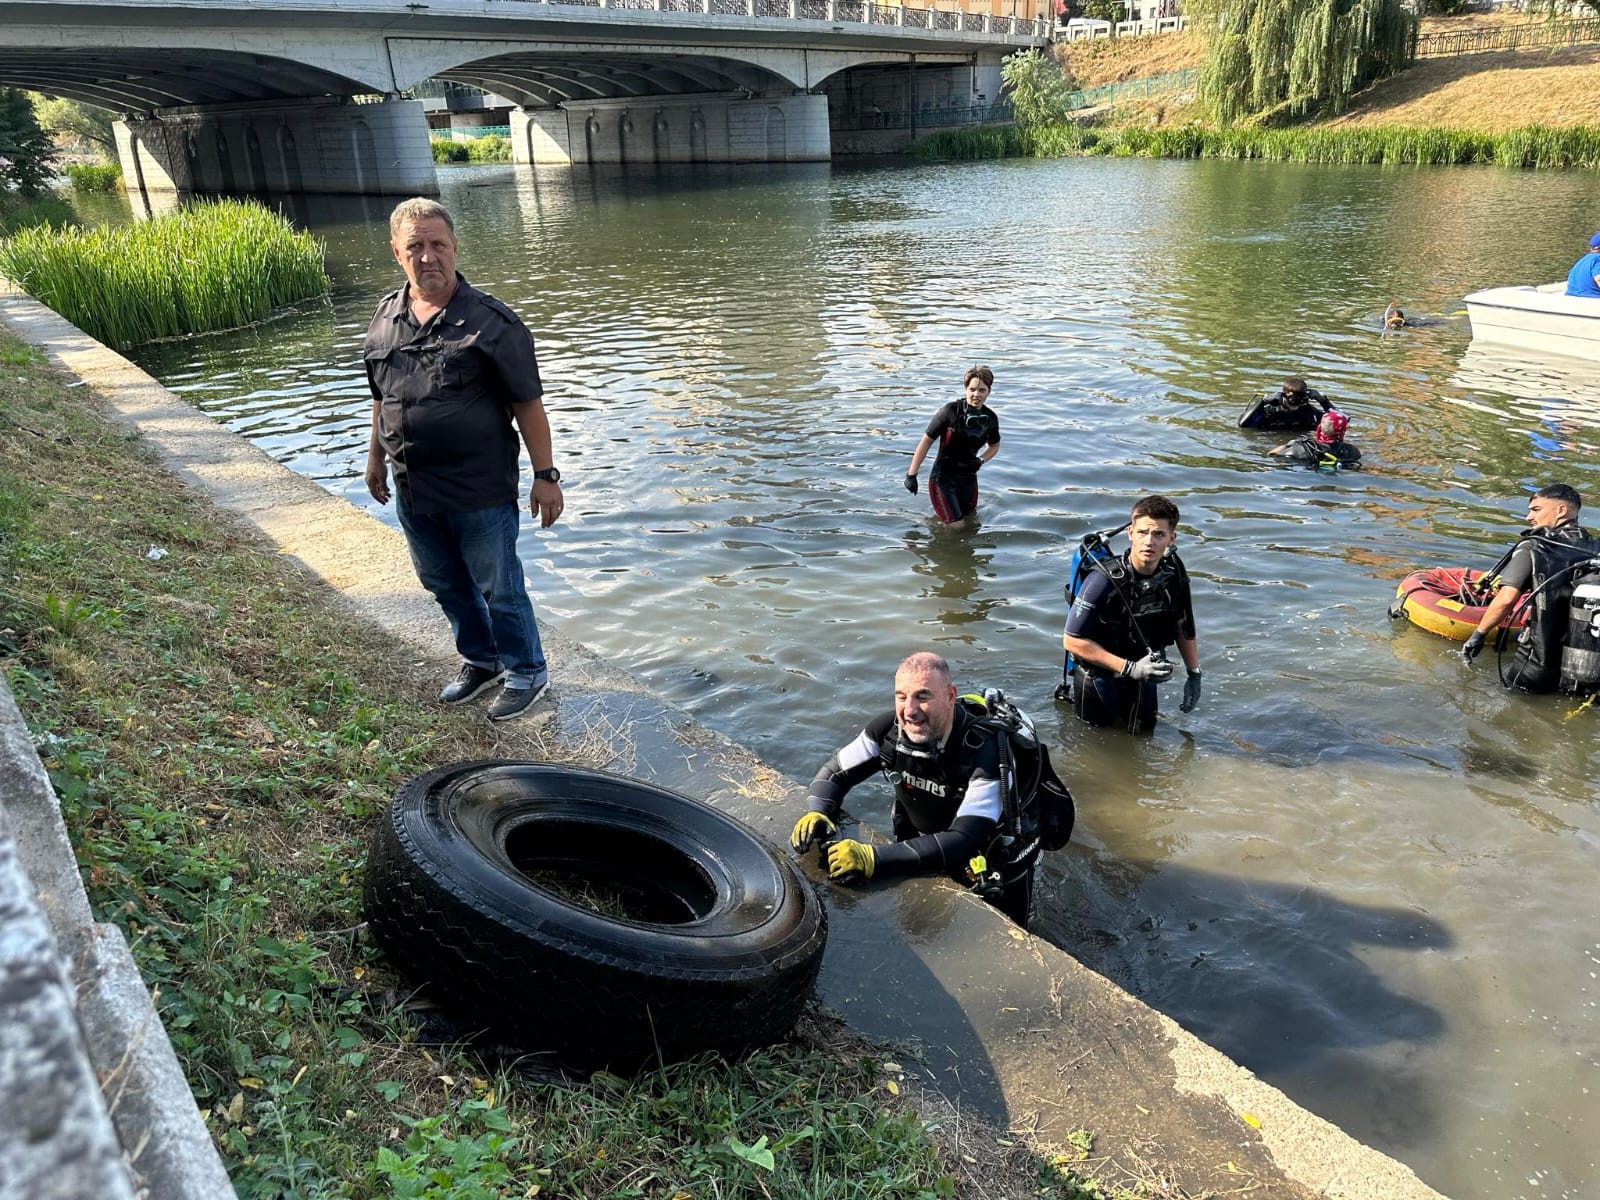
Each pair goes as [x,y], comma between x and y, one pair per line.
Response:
[1583,564]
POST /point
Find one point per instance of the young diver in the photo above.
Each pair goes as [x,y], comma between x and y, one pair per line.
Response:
[1326,448]
[1293,407]
[1125,612]
[1394,317]
[1548,563]
[968,434]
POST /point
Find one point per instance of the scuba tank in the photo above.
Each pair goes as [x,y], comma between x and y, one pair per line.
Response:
[1580,654]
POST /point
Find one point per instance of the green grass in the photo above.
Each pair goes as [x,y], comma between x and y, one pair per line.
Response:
[215,264]
[1531,147]
[94,177]
[491,149]
[17,213]
[222,733]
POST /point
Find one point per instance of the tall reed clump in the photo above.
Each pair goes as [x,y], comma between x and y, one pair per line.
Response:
[216,264]
[93,177]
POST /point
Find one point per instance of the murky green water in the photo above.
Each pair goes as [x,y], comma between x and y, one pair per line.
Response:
[1358,868]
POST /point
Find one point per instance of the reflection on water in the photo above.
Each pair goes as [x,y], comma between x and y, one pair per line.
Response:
[1359,867]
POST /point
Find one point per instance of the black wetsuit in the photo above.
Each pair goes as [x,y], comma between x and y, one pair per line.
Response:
[1541,563]
[1273,412]
[1114,616]
[961,432]
[1342,456]
[947,802]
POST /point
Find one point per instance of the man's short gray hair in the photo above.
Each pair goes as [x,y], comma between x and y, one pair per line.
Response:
[418,208]
[926,660]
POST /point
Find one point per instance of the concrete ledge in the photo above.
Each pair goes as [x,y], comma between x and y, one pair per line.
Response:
[76,1018]
[1017,1028]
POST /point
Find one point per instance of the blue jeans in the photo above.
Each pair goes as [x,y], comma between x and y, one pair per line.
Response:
[469,562]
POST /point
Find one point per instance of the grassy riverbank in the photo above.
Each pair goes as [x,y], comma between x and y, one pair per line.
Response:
[1529,147]
[215,264]
[222,733]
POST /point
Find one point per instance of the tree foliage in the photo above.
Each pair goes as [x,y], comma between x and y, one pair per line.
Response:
[85,123]
[1038,87]
[26,149]
[1105,10]
[1301,54]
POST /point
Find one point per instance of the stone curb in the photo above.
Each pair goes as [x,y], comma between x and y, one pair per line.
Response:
[1027,1034]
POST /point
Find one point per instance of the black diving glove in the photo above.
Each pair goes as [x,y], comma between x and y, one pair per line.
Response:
[1472,647]
[1152,668]
[1191,692]
[911,483]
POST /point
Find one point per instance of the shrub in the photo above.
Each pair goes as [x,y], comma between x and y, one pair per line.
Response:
[447,151]
[491,149]
[18,212]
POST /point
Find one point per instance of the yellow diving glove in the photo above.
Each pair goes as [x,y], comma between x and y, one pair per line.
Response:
[809,828]
[849,859]
[977,867]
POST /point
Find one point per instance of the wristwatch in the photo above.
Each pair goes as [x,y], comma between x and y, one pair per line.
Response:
[548,475]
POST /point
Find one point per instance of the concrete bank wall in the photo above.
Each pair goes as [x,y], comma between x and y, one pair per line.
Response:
[1011,1027]
[93,1103]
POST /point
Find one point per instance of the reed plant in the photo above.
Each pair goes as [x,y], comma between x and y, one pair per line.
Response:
[93,177]
[216,264]
[1533,146]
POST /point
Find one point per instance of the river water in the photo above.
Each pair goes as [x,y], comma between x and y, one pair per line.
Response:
[1359,868]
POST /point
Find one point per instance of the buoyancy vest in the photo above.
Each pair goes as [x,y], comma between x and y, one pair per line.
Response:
[1559,556]
[1581,279]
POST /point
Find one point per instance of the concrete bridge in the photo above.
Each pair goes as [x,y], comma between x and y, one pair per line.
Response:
[307,95]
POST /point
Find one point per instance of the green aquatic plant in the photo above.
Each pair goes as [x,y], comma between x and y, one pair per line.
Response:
[1534,146]
[216,264]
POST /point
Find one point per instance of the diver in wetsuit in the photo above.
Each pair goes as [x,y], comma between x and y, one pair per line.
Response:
[1294,407]
[1325,449]
[1546,558]
[1125,614]
[968,435]
[948,801]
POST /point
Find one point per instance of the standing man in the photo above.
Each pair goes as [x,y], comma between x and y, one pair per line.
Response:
[1584,278]
[949,806]
[454,383]
[1124,616]
[1544,559]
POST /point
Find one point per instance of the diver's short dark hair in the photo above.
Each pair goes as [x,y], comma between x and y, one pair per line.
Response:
[1294,386]
[1562,492]
[1157,508]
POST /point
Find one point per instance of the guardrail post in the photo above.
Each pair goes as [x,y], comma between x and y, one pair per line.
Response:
[794,10]
[833,14]
[900,15]
[750,8]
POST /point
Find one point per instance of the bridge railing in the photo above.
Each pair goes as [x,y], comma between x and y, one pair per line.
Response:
[847,12]
[1566,32]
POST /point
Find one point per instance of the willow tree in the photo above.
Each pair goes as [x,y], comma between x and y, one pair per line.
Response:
[1300,54]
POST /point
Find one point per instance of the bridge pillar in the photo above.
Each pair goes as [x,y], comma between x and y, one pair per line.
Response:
[712,127]
[320,146]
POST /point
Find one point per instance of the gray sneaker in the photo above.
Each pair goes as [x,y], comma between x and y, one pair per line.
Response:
[514,701]
[471,683]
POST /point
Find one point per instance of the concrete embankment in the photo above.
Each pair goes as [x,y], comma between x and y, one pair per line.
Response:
[1011,1027]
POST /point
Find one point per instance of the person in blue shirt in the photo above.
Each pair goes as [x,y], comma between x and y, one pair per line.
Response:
[1584,278]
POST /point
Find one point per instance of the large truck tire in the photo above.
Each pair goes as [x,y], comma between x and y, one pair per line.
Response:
[706,938]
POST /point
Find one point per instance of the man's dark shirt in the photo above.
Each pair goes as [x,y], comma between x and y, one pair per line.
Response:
[1275,412]
[445,391]
[1314,453]
[961,433]
[1161,604]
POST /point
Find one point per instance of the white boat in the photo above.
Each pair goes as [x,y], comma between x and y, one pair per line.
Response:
[1543,319]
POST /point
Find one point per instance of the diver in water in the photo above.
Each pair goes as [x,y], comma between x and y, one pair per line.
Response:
[1394,317]
[1326,448]
[1545,563]
[950,794]
[1294,407]
[968,435]
[1125,612]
